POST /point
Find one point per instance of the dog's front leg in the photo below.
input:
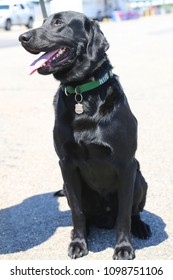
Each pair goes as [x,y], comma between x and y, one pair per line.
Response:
[123,248]
[72,185]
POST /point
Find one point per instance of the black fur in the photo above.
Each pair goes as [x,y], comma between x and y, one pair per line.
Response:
[96,149]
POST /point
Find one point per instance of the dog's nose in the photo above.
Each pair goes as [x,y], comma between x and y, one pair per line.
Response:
[25,37]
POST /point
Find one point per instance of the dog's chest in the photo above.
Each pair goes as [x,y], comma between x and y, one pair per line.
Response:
[99,174]
[93,158]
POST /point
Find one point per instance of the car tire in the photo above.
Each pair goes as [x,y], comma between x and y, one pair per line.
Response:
[8,24]
[30,23]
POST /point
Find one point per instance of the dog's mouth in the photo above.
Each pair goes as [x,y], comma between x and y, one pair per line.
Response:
[49,61]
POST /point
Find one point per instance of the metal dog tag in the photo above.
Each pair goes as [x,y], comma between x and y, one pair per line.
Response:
[79,108]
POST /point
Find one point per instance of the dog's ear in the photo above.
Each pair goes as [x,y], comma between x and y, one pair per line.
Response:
[97,43]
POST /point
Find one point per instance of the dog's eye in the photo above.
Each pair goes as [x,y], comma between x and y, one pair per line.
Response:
[57,22]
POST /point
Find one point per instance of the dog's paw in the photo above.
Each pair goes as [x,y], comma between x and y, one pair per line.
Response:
[140,229]
[77,248]
[123,252]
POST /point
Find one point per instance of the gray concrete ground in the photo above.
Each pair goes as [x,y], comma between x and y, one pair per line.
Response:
[33,224]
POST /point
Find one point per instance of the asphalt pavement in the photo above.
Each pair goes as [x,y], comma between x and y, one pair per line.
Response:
[35,225]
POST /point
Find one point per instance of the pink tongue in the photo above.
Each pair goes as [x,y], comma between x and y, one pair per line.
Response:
[39,62]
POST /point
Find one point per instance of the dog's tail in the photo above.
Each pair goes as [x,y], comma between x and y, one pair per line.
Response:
[59,193]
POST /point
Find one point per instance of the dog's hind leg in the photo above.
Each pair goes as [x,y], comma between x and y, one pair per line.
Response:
[140,229]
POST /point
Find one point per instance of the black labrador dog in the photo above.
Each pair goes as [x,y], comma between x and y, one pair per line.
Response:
[95,132]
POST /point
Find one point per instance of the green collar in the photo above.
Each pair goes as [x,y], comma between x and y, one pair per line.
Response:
[88,86]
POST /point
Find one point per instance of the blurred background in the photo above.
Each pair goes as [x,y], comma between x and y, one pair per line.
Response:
[26,12]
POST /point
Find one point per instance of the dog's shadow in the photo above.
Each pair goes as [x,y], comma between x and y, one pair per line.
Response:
[36,219]
[31,223]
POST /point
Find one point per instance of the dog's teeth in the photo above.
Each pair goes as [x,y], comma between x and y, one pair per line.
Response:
[60,52]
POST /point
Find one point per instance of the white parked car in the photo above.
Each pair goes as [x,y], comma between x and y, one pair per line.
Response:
[16,13]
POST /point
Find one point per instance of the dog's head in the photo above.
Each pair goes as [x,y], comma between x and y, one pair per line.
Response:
[73,46]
